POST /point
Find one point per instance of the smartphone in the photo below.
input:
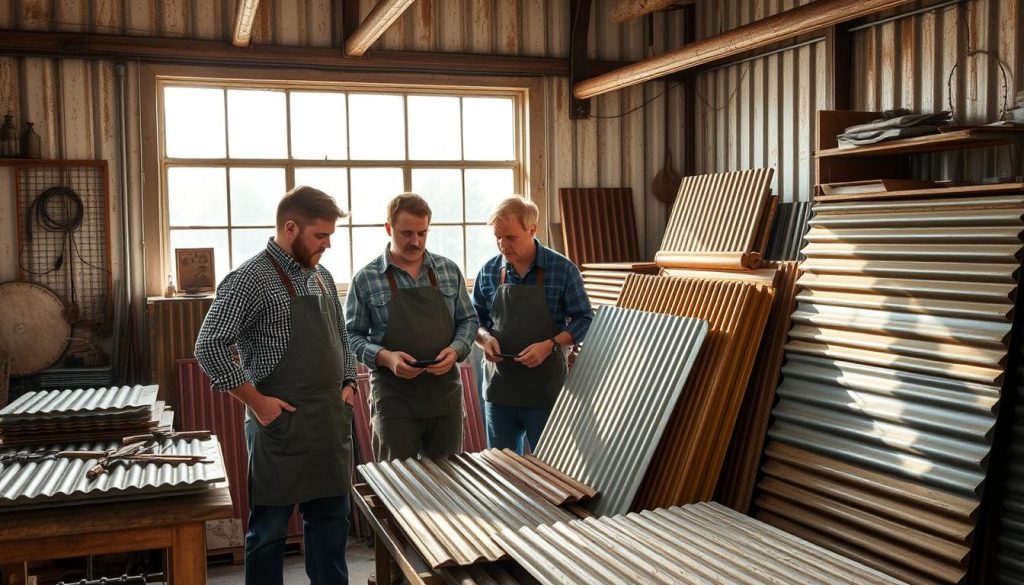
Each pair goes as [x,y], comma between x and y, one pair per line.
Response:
[424,363]
[507,355]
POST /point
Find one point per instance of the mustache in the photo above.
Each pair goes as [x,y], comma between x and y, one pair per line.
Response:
[412,248]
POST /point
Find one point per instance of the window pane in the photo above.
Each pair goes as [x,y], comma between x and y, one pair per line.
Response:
[371,191]
[484,189]
[255,194]
[337,259]
[442,188]
[488,126]
[216,239]
[367,244]
[481,247]
[334,182]
[318,125]
[246,243]
[377,126]
[446,240]
[434,132]
[197,196]
[194,122]
[256,124]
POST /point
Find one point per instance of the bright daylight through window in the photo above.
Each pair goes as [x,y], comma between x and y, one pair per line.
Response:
[230,153]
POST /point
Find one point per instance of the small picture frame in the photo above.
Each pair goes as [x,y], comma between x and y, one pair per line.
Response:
[195,270]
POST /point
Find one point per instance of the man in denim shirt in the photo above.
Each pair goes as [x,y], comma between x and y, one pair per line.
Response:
[409,319]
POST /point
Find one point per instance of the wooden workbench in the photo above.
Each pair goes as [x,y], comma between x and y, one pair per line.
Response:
[174,524]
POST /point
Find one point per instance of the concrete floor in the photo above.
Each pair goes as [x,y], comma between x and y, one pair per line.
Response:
[360,565]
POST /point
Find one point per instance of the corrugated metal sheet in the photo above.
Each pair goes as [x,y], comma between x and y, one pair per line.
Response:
[719,220]
[788,229]
[699,543]
[173,326]
[743,458]
[689,458]
[58,481]
[1011,537]
[610,416]
[449,508]
[894,379]
[491,574]
[604,282]
[113,402]
[598,225]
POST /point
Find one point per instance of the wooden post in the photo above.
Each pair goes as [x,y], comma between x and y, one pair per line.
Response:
[245,16]
[186,561]
[377,22]
[578,32]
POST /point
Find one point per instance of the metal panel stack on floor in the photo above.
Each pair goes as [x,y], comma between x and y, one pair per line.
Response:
[897,353]
[604,282]
[688,460]
[38,478]
[788,229]
[698,543]
[720,221]
[1011,537]
[617,400]
[449,508]
[93,414]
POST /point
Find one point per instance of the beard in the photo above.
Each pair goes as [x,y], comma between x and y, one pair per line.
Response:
[306,256]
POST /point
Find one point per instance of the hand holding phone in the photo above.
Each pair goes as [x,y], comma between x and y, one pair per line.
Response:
[510,356]
[424,363]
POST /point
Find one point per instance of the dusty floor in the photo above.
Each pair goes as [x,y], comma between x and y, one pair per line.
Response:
[360,565]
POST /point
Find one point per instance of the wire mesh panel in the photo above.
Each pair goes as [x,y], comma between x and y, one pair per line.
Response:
[64,235]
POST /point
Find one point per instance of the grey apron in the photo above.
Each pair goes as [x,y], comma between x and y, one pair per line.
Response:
[420,324]
[520,317]
[306,454]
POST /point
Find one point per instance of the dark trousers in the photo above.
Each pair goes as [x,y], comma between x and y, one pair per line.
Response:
[324,534]
[508,427]
[405,438]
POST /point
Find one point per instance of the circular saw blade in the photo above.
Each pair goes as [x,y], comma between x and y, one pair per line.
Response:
[33,329]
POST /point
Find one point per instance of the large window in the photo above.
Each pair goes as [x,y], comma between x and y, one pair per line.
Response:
[229,153]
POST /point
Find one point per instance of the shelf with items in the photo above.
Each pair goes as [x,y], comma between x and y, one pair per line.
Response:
[892,159]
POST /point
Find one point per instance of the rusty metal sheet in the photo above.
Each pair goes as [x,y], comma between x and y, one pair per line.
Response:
[698,543]
[617,400]
[598,225]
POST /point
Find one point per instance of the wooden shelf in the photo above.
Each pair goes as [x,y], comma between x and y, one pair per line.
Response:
[965,190]
[952,140]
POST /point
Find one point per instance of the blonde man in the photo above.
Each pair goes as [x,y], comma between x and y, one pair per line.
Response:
[531,305]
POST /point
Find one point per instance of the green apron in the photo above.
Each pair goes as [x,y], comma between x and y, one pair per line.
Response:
[306,454]
[520,317]
[420,324]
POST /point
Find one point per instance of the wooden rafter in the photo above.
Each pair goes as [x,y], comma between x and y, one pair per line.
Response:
[383,15]
[767,31]
[625,10]
[244,19]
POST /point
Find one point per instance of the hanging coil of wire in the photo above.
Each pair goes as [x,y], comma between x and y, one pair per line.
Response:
[58,209]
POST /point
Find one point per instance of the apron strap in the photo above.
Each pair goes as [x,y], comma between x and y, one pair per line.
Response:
[393,284]
[540,276]
[284,277]
[320,281]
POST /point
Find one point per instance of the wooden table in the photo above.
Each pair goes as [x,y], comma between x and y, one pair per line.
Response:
[390,543]
[175,524]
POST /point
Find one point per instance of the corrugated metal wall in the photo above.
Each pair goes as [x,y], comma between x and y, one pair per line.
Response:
[73,102]
[761,112]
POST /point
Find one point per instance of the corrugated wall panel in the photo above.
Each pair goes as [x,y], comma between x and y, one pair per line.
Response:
[173,327]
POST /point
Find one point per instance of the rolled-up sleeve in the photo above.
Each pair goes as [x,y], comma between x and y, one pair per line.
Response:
[231,313]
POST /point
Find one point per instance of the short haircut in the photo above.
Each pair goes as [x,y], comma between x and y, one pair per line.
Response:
[409,203]
[516,207]
[304,205]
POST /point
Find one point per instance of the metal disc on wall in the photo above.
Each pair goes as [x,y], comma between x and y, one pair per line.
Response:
[33,330]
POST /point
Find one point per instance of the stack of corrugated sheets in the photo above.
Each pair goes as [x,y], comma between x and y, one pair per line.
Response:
[720,221]
[1011,538]
[93,414]
[691,452]
[788,229]
[897,353]
[699,543]
[37,478]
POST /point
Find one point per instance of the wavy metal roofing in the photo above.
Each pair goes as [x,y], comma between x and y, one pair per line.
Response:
[886,410]
[1011,539]
[83,402]
[698,543]
[449,508]
[598,225]
[618,399]
[59,481]
[788,229]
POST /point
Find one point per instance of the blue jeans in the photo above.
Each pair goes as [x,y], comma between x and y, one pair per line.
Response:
[509,426]
[324,534]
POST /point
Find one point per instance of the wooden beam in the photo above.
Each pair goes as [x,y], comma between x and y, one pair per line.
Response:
[244,18]
[779,27]
[383,15]
[579,29]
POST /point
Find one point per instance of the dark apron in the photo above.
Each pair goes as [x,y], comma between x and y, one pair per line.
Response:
[306,454]
[420,324]
[520,317]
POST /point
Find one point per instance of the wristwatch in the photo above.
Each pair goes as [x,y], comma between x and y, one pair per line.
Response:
[554,341]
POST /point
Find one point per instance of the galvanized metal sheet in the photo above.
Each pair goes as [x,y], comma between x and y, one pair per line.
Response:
[617,401]
[37,478]
[112,402]
[698,543]
[788,229]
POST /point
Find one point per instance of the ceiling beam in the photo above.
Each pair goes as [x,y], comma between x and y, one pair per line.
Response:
[244,18]
[377,22]
[773,29]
